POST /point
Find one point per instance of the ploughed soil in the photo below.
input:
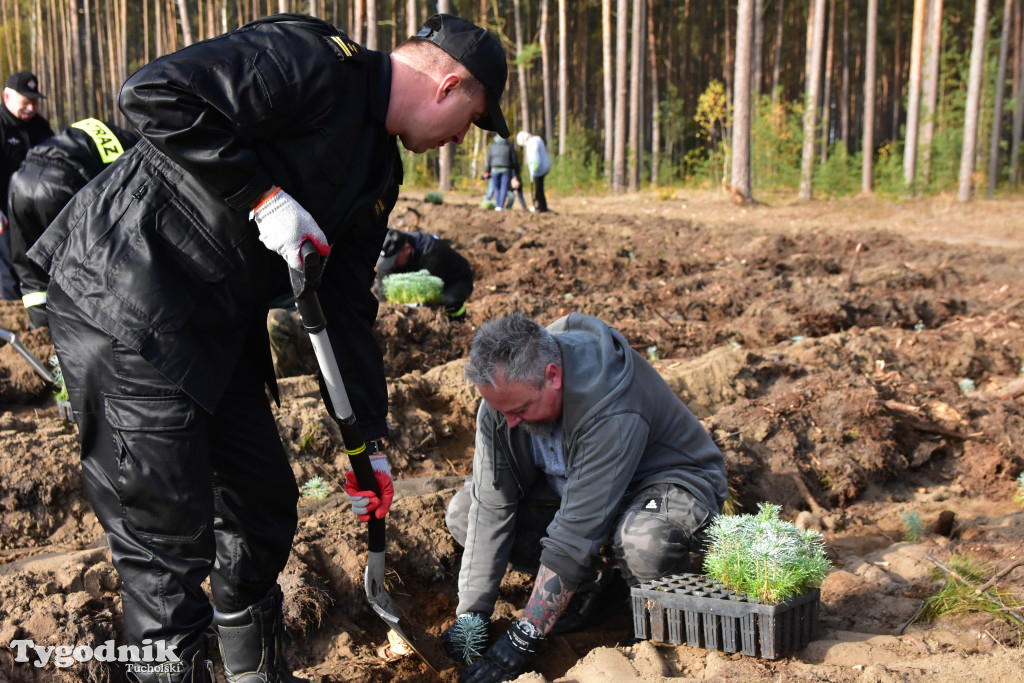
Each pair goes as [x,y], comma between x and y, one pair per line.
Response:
[858,362]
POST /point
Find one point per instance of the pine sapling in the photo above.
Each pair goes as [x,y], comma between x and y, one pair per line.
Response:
[469,637]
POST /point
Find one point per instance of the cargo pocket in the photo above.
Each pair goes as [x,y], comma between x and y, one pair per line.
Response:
[165,494]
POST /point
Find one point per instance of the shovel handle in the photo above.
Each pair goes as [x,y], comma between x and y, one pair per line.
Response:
[312,316]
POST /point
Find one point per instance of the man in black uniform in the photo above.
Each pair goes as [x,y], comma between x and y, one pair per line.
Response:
[51,174]
[21,127]
[254,142]
[409,252]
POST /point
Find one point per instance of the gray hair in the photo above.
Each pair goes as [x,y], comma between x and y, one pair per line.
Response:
[514,347]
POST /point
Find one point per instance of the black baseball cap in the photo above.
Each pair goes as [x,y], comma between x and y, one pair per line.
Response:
[25,84]
[389,252]
[481,53]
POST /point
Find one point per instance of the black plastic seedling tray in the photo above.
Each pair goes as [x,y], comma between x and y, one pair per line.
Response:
[690,609]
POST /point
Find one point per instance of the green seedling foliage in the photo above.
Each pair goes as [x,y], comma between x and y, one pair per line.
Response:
[469,637]
[316,488]
[413,288]
[913,528]
[766,558]
[1018,495]
[60,393]
[434,198]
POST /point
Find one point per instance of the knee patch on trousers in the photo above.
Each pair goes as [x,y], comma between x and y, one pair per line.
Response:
[657,531]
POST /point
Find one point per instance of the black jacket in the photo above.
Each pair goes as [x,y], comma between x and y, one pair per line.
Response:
[16,137]
[435,255]
[159,249]
[502,155]
[51,174]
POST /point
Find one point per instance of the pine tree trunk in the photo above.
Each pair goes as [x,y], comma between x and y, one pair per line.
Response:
[997,115]
[811,100]
[636,41]
[563,79]
[545,62]
[933,49]
[969,150]
[868,143]
[826,98]
[913,99]
[524,94]
[607,80]
[844,88]
[186,28]
[447,153]
[741,101]
[777,59]
[621,93]
[655,97]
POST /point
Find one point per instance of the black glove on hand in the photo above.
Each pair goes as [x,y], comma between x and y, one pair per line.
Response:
[508,658]
[465,640]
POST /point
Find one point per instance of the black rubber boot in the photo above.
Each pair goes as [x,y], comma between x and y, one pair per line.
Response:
[193,667]
[251,642]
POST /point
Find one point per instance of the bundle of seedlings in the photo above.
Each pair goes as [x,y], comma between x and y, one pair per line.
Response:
[413,288]
[764,557]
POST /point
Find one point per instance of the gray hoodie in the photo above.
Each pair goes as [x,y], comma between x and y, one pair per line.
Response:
[622,428]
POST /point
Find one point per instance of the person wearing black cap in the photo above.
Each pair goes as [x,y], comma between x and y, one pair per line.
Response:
[254,142]
[410,252]
[51,174]
[21,127]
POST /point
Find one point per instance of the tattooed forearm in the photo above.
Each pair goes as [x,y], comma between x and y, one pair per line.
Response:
[551,594]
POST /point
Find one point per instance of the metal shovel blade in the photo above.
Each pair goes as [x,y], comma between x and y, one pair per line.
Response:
[426,646]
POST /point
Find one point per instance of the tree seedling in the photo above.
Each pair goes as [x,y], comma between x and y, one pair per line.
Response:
[765,557]
[413,288]
[469,637]
[316,488]
[913,528]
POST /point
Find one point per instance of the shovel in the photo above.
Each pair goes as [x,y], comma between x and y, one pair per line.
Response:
[304,285]
[37,366]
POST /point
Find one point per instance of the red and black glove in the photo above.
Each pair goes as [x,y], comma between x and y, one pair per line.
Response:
[365,502]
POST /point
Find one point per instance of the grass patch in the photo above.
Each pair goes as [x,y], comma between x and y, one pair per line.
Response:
[960,595]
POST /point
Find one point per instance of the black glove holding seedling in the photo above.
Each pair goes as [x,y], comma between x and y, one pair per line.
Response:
[508,658]
[465,640]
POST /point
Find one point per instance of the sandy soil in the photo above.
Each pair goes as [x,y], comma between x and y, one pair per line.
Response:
[825,345]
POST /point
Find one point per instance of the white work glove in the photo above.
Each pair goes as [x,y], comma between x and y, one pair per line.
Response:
[365,502]
[284,225]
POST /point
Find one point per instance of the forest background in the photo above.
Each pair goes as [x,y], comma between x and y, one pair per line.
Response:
[640,93]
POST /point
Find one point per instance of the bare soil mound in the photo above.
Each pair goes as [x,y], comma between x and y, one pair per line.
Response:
[855,361]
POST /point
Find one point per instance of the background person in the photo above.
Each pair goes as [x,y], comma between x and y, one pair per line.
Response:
[537,163]
[21,127]
[409,252]
[161,270]
[502,165]
[51,174]
[579,442]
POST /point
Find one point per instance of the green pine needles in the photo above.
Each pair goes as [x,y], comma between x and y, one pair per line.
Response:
[913,527]
[1018,495]
[316,488]
[469,637]
[60,394]
[766,558]
[413,288]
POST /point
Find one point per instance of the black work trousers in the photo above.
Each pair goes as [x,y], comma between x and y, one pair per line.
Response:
[182,494]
